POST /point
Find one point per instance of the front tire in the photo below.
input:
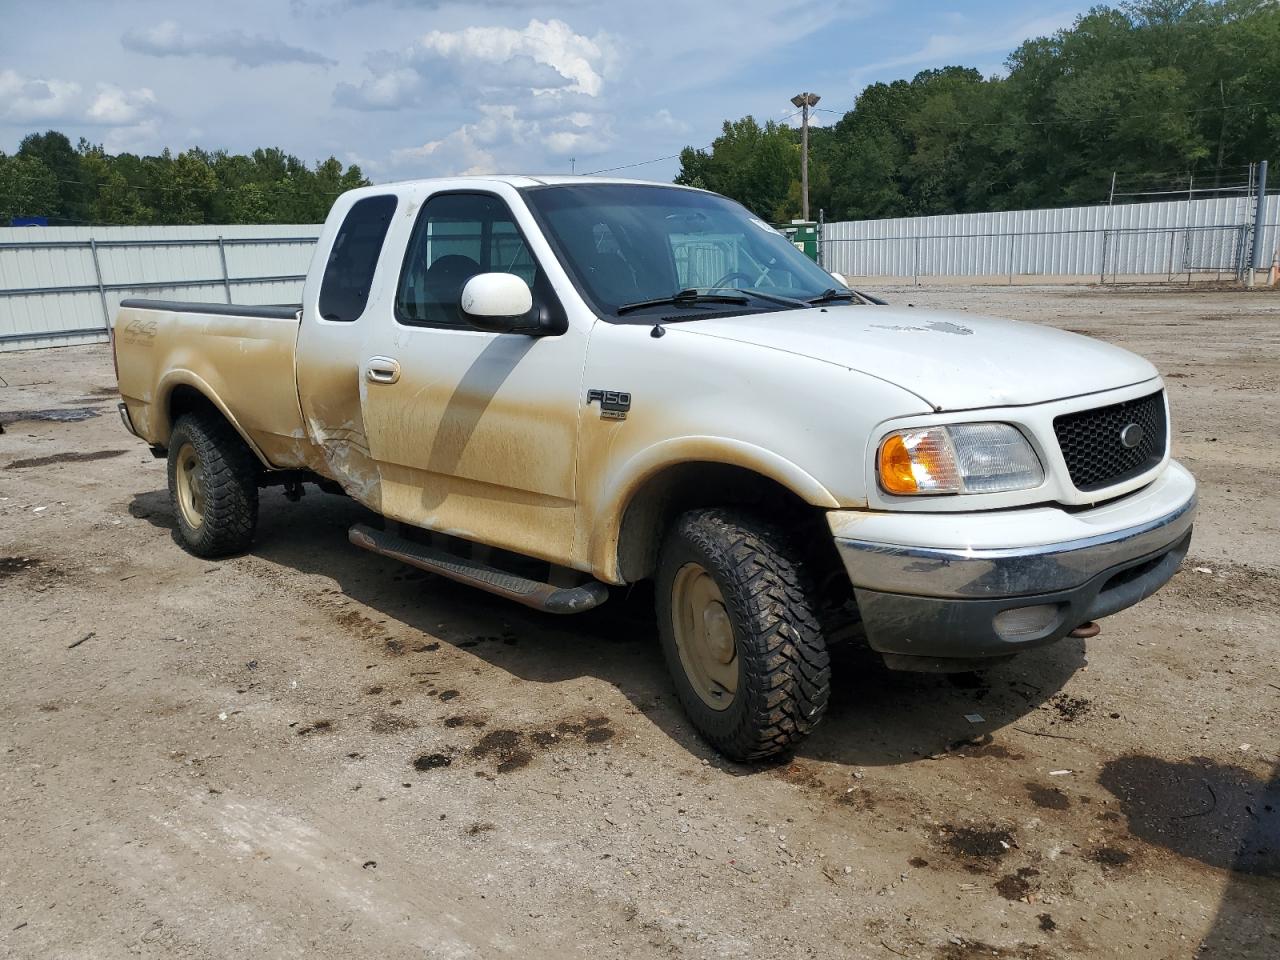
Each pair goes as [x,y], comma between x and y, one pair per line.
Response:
[739,633]
[213,486]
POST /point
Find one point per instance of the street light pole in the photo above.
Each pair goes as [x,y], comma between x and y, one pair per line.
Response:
[804,101]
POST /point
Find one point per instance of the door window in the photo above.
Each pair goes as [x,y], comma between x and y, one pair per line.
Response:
[348,275]
[457,236]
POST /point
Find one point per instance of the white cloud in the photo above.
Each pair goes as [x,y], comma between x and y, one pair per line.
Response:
[115,106]
[391,90]
[167,39]
[32,99]
[575,58]
[499,64]
[47,100]
[504,137]
[467,149]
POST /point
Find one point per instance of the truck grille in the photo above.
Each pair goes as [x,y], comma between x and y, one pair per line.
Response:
[1094,446]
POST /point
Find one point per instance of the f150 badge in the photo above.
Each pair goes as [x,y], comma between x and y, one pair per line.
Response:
[614,404]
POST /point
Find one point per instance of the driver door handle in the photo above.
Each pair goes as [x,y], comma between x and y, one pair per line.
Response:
[382,370]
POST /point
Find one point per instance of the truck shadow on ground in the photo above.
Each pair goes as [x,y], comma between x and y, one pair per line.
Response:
[876,716]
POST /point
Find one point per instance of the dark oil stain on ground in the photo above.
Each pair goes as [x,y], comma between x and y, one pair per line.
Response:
[320,726]
[1048,798]
[800,774]
[1068,708]
[963,949]
[71,415]
[65,458]
[447,695]
[1015,886]
[504,746]
[12,566]
[1109,856]
[432,761]
[977,844]
[464,720]
[1218,814]
[860,798]
[982,746]
[513,750]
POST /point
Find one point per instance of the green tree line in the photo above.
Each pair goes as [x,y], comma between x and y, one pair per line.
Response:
[49,177]
[1160,92]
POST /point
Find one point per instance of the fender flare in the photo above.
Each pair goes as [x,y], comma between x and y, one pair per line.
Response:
[630,478]
[180,377]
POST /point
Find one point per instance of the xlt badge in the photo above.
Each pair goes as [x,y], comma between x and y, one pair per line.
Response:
[614,404]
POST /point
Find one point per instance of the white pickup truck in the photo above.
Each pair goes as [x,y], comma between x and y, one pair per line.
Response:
[549,385]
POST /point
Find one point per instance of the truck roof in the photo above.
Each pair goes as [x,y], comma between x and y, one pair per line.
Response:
[527,180]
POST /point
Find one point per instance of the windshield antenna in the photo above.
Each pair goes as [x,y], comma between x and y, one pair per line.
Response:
[658,331]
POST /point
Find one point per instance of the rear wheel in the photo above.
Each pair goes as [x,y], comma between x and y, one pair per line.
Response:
[213,486]
[740,634]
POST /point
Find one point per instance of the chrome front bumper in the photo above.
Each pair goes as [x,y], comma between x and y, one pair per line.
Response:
[945,603]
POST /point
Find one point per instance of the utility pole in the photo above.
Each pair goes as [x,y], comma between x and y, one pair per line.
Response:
[804,101]
[573,165]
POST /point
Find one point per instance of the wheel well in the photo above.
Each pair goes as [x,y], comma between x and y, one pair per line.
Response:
[687,486]
[186,399]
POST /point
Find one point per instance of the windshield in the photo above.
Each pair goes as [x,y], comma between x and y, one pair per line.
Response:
[625,244]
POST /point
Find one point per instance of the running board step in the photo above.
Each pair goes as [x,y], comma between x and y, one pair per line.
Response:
[531,593]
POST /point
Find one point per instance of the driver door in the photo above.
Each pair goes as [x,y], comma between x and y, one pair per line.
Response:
[473,433]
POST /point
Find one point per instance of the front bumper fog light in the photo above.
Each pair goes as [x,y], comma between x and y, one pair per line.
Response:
[1021,623]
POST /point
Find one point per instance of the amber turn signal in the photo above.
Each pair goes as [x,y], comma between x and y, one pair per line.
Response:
[896,475]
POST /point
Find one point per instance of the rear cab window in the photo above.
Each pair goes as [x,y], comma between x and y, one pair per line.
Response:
[348,274]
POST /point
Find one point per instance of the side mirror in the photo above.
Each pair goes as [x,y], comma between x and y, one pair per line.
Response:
[840,278]
[497,302]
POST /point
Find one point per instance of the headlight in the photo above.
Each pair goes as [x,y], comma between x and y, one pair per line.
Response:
[962,458]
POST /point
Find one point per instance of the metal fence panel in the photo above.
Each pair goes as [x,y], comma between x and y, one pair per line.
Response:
[58,285]
[1167,239]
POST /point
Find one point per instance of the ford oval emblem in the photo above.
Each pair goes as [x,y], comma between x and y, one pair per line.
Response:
[1131,436]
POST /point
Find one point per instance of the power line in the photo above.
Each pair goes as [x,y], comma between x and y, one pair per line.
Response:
[642,163]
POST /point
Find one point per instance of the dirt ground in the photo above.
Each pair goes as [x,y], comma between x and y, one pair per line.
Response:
[309,751]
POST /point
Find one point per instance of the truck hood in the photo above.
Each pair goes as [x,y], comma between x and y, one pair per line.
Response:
[952,361]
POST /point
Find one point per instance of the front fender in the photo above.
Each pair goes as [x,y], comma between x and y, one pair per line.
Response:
[626,481]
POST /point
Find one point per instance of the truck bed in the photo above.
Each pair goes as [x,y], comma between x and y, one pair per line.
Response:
[240,357]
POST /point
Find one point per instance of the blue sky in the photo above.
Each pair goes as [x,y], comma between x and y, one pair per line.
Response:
[410,88]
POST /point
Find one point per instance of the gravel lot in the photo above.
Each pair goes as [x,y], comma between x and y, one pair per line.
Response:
[310,751]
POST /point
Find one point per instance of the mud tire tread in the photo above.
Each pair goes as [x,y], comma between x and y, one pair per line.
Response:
[231,486]
[785,681]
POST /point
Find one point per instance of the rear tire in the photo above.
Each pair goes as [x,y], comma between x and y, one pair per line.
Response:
[213,486]
[740,634]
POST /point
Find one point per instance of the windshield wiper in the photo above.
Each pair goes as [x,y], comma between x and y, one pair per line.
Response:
[772,297]
[832,294]
[682,298]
